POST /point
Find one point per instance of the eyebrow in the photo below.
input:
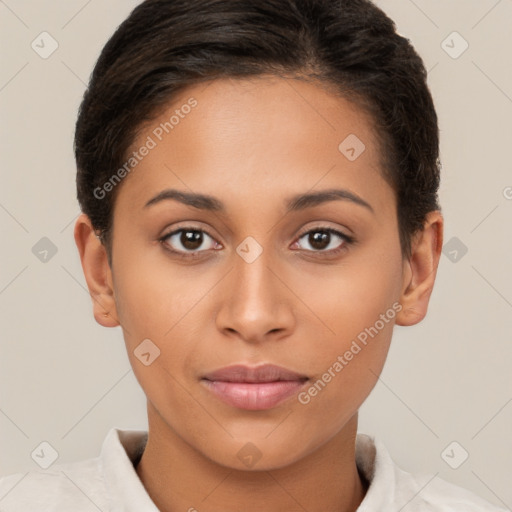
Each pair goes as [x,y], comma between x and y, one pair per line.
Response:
[295,203]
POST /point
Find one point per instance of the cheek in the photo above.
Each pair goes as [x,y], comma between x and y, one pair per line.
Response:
[348,365]
[157,327]
[152,294]
[358,305]
[353,295]
[163,303]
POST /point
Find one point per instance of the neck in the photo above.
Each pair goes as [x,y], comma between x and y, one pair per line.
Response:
[177,477]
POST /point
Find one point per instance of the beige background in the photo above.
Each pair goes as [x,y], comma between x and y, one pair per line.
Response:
[66,380]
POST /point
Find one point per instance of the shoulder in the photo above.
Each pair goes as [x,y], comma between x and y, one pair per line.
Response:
[446,497]
[62,487]
[431,493]
[392,488]
[106,482]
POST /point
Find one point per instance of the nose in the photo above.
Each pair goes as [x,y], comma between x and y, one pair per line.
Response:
[257,302]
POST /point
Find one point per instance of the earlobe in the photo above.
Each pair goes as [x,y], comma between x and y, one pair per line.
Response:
[420,271]
[97,272]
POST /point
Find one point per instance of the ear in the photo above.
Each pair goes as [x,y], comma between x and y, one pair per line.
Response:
[97,272]
[419,272]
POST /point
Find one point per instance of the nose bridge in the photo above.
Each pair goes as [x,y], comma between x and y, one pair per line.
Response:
[255,302]
[252,274]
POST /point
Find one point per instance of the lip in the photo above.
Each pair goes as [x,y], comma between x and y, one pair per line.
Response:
[254,374]
[254,388]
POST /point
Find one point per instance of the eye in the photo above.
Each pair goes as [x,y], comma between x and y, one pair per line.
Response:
[325,240]
[188,241]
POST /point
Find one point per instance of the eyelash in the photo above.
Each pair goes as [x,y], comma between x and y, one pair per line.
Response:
[347,240]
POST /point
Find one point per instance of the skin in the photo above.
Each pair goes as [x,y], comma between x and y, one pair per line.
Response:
[252,144]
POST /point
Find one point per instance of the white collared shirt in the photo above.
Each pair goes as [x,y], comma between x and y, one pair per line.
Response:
[110,483]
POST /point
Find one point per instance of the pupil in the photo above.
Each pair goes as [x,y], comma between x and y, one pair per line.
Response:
[191,239]
[319,239]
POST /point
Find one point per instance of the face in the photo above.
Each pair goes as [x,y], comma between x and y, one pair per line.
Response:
[254,274]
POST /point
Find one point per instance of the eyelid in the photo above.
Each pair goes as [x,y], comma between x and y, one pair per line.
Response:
[330,229]
[347,239]
[185,227]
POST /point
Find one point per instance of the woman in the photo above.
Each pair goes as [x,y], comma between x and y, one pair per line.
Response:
[258,183]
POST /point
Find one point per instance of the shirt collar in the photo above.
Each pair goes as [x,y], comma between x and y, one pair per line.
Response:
[375,463]
[127,492]
[122,448]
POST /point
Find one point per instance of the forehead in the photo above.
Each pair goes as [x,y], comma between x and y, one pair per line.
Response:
[252,138]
